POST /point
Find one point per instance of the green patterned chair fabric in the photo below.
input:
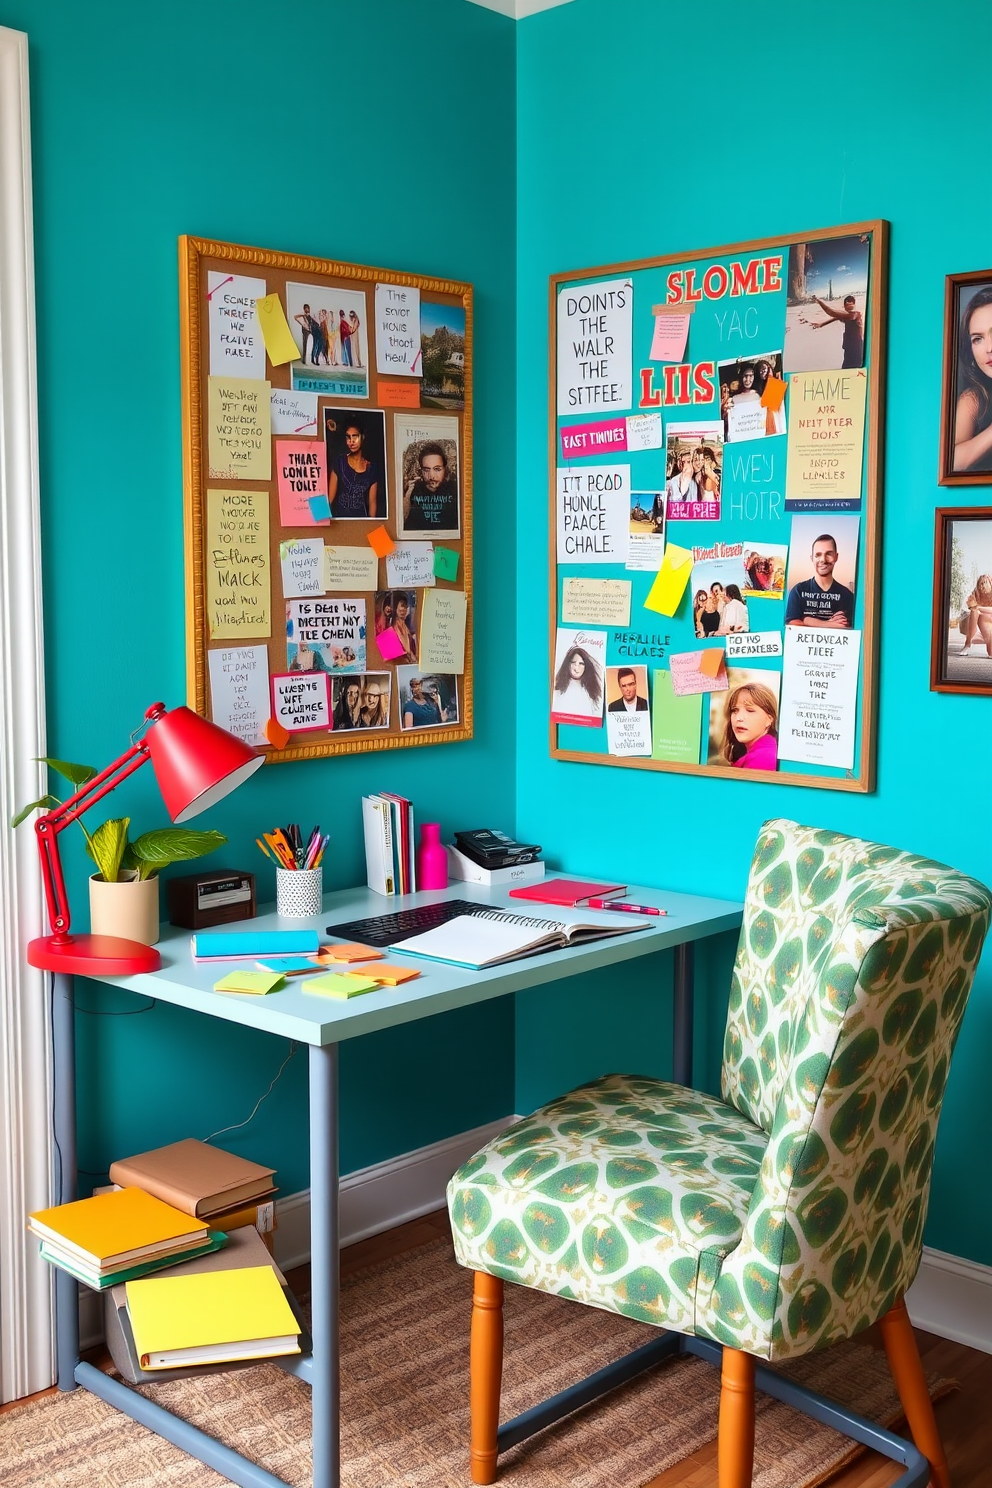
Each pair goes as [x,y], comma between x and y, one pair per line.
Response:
[790,1214]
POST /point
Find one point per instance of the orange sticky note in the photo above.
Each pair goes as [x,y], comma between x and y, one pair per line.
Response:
[380,542]
[277,736]
[774,394]
[390,976]
[352,952]
[711,661]
[398,394]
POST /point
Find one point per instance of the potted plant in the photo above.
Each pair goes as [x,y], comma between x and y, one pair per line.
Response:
[124,890]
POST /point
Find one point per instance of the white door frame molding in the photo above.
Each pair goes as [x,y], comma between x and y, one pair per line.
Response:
[26,1322]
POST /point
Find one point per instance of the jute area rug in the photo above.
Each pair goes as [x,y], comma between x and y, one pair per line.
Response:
[405,1406]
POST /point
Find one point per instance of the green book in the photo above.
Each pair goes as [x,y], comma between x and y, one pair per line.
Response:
[102,1283]
[339,984]
[676,722]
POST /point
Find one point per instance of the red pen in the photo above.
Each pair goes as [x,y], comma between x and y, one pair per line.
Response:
[627,908]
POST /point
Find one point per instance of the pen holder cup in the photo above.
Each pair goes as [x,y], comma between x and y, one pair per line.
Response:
[299,891]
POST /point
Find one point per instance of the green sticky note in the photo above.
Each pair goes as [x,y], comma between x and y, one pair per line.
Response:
[256,983]
[339,984]
[676,722]
[445,564]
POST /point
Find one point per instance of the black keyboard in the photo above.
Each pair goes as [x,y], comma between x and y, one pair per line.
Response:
[383,930]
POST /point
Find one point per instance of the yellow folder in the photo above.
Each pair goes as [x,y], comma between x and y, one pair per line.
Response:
[211,1317]
[110,1225]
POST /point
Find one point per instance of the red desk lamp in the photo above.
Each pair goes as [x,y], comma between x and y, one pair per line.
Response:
[196,764]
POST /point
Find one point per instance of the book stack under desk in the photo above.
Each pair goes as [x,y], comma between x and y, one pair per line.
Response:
[244,1248]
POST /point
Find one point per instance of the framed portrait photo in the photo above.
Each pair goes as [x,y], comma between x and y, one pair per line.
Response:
[961,650]
[966,415]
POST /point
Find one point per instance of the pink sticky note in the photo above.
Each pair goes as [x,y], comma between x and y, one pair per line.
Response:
[690,675]
[390,645]
[593,439]
[302,470]
[670,335]
[380,542]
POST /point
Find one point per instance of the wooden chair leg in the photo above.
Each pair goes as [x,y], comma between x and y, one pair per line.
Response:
[735,1446]
[910,1381]
[486,1372]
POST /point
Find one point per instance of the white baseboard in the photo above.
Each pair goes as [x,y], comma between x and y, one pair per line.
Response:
[952,1297]
[373,1199]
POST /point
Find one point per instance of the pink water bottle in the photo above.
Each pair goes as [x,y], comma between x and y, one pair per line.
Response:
[432,860]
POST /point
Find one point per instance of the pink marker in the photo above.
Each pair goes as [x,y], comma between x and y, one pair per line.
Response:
[626,908]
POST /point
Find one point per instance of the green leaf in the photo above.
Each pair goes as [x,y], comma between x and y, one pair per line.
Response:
[46,803]
[75,774]
[155,850]
[106,847]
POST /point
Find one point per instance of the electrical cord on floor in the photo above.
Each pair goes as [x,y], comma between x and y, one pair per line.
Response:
[293,1049]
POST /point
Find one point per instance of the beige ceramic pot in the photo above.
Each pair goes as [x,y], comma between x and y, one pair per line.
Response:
[128,908]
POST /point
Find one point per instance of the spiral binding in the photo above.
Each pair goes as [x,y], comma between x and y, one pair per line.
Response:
[527,922]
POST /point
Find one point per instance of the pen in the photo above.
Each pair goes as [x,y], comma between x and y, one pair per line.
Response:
[627,908]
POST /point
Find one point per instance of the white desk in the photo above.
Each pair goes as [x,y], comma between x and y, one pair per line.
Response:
[323,1025]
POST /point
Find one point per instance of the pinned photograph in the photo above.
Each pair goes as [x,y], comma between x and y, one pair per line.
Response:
[427,474]
[966,420]
[646,540]
[826,304]
[329,326]
[764,565]
[961,657]
[628,714]
[745,412]
[356,462]
[325,635]
[396,624]
[442,340]
[744,720]
[427,699]
[718,606]
[361,702]
[823,563]
[694,454]
[578,689]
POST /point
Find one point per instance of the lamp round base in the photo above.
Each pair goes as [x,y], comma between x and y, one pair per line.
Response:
[93,955]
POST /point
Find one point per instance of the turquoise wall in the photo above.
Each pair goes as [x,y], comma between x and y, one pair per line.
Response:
[643,131]
[305,129]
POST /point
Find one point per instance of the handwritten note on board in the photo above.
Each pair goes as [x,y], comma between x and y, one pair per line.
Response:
[442,631]
[237,548]
[301,465]
[302,560]
[595,602]
[354,569]
[410,566]
[670,335]
[236,348]
[397,330]
[294,413]
[239,691]
[300,701]
[239,429]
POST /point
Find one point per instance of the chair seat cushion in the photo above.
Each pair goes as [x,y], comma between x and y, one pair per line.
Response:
[625,1194]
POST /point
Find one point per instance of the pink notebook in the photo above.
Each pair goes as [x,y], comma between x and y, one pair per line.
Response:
[570,892]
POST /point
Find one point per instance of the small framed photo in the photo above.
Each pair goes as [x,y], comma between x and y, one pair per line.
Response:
[966,415]
[961,651]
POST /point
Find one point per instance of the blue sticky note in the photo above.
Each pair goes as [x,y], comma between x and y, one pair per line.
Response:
[320,508]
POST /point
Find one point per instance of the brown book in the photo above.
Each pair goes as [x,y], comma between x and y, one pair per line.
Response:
[194,1177]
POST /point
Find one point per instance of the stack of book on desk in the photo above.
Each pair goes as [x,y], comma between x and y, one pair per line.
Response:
[114,1237]
[204,1182]
[390,850]
[218,1312]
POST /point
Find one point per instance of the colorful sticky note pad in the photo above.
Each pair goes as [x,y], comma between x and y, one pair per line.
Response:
[389,644]
[351,952]
[277,736]
[391,976]
[380,542]
[276,334]
[257,983]
[339,984]
[320,508]
[445,564]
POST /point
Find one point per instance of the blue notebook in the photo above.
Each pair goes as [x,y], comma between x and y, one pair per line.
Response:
[236,945]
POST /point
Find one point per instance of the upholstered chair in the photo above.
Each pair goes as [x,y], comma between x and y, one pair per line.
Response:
[789,1213]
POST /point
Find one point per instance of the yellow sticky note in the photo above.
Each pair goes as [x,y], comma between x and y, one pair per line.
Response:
[673,575]
[276,334]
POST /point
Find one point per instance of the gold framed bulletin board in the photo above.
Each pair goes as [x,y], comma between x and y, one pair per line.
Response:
[327,435]
[716,431]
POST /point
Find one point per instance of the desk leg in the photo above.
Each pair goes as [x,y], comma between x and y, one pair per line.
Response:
[682,1019]
[325,1266]
[64,1076]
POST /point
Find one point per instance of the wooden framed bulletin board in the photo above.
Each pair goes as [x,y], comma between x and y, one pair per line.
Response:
[716,428]
[327,432]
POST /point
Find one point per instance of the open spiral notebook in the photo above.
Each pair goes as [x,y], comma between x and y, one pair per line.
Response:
[482,940]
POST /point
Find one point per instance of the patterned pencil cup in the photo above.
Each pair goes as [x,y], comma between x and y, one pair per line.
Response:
[299,891]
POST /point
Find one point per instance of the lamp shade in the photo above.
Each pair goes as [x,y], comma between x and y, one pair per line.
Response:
[196,763]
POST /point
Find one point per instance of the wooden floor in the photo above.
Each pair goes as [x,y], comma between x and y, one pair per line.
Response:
[964,1417]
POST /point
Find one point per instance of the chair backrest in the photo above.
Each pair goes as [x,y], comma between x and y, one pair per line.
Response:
[852,974]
